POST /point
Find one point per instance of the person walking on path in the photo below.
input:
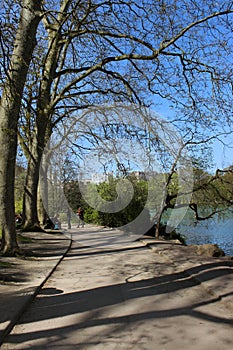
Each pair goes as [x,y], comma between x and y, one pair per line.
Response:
[80,213]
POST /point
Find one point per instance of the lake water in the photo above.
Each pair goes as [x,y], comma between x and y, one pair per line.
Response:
[217,230]
[214,231]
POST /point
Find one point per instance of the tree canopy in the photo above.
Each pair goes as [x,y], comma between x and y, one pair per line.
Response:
[91,53]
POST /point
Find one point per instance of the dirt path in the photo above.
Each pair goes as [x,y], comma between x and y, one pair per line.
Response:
[126,296]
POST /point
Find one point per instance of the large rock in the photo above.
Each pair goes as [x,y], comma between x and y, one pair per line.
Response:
[211,250]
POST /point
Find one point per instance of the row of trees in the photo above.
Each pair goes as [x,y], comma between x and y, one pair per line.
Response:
[212,194]
[61,58]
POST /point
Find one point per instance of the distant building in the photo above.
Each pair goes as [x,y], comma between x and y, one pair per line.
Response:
[144,175]
[98,178]
[140,175]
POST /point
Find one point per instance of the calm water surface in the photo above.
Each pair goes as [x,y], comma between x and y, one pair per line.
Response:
[214,231]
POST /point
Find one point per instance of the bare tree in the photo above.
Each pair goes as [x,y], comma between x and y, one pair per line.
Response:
[9,112]
[121,51]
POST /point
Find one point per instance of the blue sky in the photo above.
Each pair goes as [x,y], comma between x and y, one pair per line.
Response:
[222,151]
[223,155]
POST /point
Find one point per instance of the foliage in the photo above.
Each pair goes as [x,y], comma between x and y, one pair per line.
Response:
[214,191]
[211,192]
[73,195]
[107,192]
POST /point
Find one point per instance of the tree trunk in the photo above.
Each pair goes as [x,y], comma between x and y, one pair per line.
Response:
[30,200]
[9,112]
[42,199]
[43,128]
[159,215]
[42,213]
[8,146]
[31,222]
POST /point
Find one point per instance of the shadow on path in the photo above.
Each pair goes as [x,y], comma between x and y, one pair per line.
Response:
[94,304]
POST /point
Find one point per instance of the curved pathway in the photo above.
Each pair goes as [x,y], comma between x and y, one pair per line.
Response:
[122,295]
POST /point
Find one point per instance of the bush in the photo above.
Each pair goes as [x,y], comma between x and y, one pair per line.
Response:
[107,191]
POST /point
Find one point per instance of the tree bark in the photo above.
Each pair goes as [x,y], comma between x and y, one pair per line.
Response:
[43,128]
[30,201]
[31,222]
[42,195]
[10,103]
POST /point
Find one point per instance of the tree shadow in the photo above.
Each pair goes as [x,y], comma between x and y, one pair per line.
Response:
[86,251]
[95,305]
[10,273]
